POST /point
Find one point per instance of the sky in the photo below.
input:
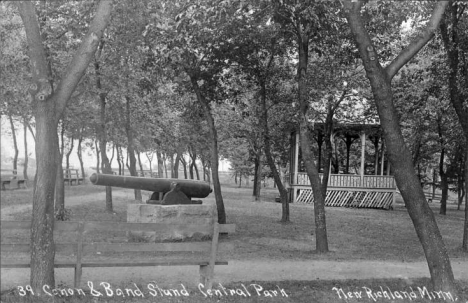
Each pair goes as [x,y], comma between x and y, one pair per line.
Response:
[89,157]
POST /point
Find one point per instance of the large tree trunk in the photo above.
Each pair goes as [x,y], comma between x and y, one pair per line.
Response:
[49,106]
[130,145]
[15,145]
[26,156]
[42,225]
[398,153]
[452,47]
[267,146]
[321,238]
[214,150]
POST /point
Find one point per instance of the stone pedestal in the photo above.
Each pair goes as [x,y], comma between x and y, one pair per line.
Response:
[175,214]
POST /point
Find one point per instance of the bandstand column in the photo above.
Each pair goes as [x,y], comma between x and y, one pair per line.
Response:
[383,159]
[363,154]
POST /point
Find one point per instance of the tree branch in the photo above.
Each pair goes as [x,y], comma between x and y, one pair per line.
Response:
[414,47]
[83,55]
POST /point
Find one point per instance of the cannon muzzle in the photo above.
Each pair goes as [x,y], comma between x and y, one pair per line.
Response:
[190,188]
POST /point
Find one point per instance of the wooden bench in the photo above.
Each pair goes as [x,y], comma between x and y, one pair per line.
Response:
[13,183]
[85,251]
[5,182]
[72,175]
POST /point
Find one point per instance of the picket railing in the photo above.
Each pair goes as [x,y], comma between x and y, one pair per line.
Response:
[341,180]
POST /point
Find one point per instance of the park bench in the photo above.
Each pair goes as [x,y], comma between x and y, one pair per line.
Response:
[12,181]
[5,182]
[87,251]
[72,175]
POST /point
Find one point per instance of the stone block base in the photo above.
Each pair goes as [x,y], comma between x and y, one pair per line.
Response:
[173,214]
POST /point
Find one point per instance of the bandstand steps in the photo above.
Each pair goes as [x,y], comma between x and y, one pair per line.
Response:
[347,198]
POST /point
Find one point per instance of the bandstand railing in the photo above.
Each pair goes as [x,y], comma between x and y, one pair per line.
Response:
[342,180]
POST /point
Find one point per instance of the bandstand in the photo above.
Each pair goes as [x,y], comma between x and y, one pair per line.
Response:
[368,185]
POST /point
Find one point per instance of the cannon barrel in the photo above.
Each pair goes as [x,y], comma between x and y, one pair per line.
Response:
[191,188]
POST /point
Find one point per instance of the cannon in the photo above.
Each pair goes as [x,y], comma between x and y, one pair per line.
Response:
[173,191]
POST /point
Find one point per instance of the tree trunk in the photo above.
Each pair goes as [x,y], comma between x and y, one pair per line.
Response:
[465,227]
[257,175]
[165,164]
[442,173]
[214,151]
[31,131]
[328,131]
[171,162]
[191,169]
[184,164]
[59,182]
[267,146]
[452,47]
[49,106]
[321,238]
[72,144]
[193,164]
[161,165]
[460,180]
[203,168]
[112,156]
[80,156]
[320,144]
[98,158]
[15,146]
[26,156]
[208,173]
[149,156]
[398,153]
[102,128]
[139,163]
[176,166]
[130,146]
[119,158]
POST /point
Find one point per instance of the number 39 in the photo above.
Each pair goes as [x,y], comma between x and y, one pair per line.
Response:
[23,291]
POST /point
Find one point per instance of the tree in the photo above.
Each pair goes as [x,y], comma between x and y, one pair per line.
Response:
[50,104]
[258,50]
[399,155]
[191,41]
[455,40]
[302,19]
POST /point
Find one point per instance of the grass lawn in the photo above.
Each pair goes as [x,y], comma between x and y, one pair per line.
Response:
[354,234]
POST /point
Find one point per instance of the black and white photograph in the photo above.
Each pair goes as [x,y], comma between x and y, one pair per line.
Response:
[309,151]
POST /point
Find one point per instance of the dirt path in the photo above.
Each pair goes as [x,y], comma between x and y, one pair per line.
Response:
[237,271]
